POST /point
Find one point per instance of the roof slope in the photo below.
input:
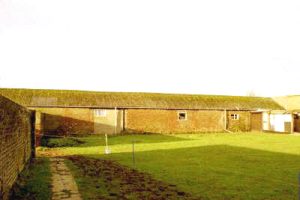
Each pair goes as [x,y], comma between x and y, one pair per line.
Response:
[71,98]
[290,103]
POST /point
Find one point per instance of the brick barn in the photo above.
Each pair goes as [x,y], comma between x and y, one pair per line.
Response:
[85,112]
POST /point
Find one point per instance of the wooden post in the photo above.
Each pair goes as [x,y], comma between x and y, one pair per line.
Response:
[262,122]
[225,119]
[107,150]
[124,118]
[133,156]
[116,120]
[106,141]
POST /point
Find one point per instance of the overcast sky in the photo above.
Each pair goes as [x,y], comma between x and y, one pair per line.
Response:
[179,46]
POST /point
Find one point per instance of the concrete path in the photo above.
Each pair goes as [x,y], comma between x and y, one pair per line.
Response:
[63,183]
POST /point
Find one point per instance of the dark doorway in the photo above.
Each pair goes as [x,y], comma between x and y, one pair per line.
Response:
[297,123]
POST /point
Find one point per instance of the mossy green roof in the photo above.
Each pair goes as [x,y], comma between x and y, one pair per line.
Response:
[73,98]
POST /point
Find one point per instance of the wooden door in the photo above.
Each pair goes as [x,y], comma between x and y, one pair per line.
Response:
[256,121]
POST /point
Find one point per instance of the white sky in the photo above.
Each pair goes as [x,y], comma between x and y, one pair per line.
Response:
[177,46]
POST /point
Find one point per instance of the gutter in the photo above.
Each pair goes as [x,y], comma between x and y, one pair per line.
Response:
[128,107]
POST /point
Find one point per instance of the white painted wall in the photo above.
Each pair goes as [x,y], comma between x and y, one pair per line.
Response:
[277,121]
[266,121]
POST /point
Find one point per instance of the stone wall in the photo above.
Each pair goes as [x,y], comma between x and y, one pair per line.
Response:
[15,142]
[167,121]
[242,124]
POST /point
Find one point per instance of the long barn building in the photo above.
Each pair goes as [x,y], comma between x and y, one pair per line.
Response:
[85,112]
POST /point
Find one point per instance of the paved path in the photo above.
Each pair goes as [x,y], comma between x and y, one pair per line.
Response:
[63,184]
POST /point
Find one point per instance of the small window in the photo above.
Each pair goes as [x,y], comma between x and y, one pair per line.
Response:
[100,113]
[235,116]
[182,116]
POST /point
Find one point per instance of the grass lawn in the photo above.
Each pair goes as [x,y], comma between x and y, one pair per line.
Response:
[212,166]
[34,182]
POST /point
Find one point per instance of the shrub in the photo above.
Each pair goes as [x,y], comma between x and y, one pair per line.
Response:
[60,142]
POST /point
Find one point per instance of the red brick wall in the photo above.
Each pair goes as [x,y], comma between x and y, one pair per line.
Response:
[82,121]
[65,121]
[166,121]
[15,143]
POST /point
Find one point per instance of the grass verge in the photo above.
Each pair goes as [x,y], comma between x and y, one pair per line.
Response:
[34,183]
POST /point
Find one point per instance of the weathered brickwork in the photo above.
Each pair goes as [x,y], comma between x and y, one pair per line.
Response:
[15,143]
[167,121]
[111,123]
[65,121]
[242,124]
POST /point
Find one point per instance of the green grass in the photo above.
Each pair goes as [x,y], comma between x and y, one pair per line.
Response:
[34,182]
[84,182]
[212,166]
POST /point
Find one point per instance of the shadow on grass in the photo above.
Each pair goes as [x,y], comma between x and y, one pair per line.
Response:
[99,140]
[220,171]
[106,179]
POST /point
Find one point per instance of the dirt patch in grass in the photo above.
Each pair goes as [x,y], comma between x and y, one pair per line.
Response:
[110,180]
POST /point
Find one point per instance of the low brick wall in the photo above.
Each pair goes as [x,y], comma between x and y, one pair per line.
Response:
[15,142]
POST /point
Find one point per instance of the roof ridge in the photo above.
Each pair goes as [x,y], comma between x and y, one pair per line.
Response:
[122,92]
